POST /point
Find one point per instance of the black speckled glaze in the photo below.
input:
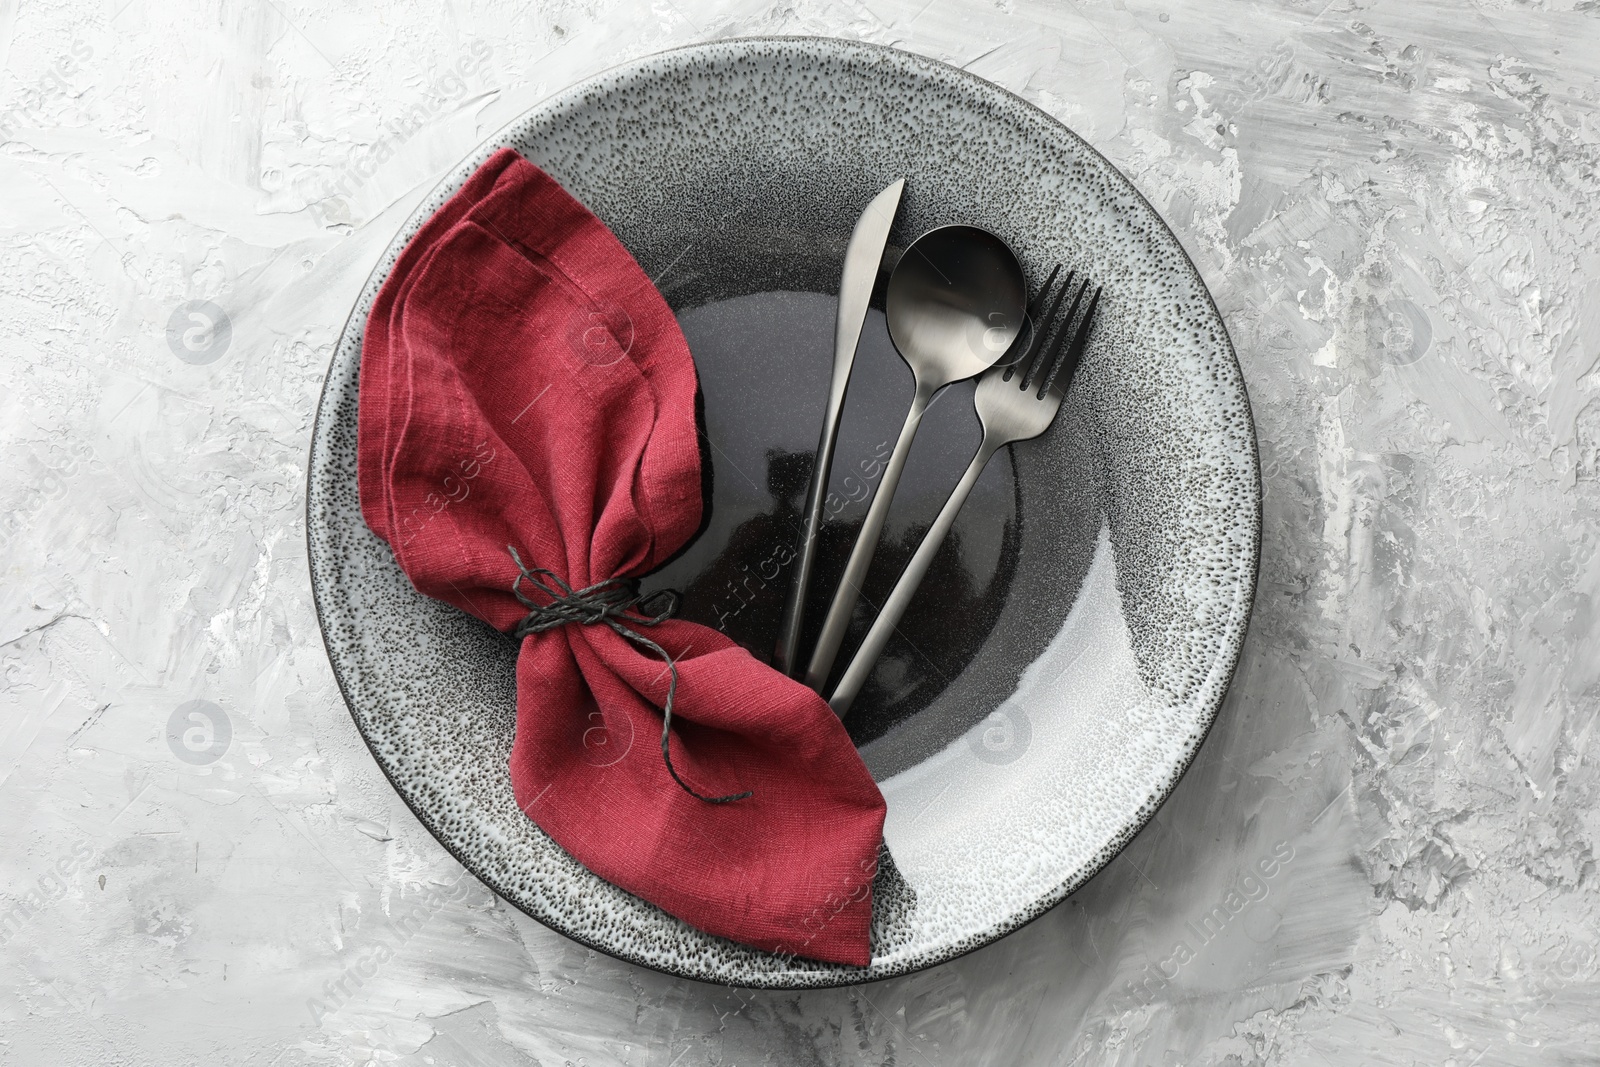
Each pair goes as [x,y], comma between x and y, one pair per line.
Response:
[1132,528]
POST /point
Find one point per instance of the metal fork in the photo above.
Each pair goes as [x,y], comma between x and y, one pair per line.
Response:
[1010,411]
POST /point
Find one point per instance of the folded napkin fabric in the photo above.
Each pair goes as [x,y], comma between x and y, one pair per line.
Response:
[527,428]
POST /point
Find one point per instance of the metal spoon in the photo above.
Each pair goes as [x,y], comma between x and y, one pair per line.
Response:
[954,304]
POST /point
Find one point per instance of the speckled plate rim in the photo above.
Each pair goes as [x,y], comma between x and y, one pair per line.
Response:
[1223,667]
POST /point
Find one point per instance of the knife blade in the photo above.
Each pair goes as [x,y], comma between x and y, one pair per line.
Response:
[861,260]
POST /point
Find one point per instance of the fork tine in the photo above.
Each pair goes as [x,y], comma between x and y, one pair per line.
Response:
[1038,298]
[1044,366]
[1033,313]
[1042,324]
[1065,365]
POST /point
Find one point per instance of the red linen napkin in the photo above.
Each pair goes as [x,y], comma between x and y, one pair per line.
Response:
[524,385]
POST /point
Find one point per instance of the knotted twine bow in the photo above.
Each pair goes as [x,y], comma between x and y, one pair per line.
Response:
[611,602]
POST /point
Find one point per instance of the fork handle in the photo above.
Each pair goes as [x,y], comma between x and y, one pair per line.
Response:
[905,587]
[855,571]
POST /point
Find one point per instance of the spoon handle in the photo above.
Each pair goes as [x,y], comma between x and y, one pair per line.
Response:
[905,587]
[855,572]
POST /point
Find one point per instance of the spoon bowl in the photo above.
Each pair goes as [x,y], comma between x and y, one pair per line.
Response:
[955,303]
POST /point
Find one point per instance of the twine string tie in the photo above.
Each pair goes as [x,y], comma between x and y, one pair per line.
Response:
[617,603]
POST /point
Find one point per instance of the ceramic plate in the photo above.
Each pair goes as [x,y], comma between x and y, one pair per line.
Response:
[1075,638]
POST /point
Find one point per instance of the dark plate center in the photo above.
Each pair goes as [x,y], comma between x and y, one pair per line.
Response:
[764,361]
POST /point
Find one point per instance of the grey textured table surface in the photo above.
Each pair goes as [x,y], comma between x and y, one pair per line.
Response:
[1396,206]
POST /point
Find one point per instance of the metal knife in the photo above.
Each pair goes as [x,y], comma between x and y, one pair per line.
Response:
[861,260]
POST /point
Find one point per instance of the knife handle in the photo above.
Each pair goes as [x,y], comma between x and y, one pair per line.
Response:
[786,655]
